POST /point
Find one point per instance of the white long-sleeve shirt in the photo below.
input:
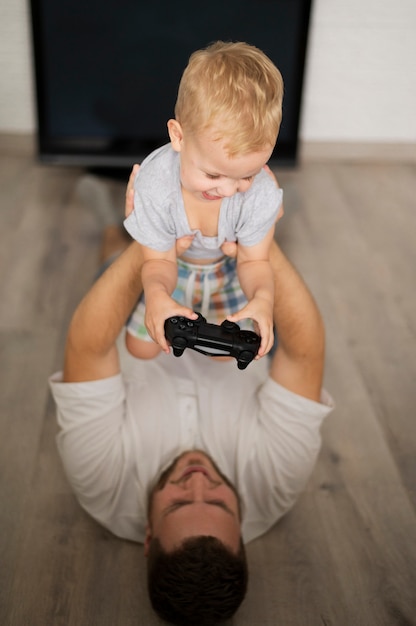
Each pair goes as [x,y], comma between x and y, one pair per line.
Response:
[118,434]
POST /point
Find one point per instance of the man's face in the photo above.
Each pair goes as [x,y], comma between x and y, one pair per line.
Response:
[193,499]
[207,172]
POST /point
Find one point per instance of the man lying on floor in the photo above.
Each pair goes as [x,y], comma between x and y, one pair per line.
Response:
[190,456]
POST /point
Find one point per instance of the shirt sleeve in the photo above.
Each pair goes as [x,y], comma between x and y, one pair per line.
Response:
[95,450]
[259,210]
[151,223]
[284,444]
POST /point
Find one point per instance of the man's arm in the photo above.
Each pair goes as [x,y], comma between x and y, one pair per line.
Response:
[299,359]
[91,352]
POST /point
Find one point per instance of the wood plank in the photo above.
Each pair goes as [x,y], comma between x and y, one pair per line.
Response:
[26,358]
[346,553]
[367,286]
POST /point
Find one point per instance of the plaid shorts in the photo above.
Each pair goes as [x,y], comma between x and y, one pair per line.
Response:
[212,290]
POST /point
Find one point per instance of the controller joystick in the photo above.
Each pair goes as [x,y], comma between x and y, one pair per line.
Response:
[226,339]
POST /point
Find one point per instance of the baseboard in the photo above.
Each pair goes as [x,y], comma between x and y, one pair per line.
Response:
[356,151]
[18,144]
[24,144]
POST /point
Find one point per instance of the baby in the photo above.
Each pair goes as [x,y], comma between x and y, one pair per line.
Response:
[210,184]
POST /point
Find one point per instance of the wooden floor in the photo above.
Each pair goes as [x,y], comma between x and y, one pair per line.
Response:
[346,554]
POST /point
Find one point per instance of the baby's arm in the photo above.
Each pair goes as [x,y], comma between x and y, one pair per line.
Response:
[159,277]
[256,280]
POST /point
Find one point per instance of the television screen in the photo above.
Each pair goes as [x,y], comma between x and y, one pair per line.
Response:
[107,72]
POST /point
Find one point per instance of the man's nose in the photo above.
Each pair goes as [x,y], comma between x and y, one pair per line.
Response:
[196,483]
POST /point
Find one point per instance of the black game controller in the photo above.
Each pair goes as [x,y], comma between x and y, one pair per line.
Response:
[212,340]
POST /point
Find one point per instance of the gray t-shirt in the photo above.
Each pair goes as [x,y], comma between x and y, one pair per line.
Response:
[159,216]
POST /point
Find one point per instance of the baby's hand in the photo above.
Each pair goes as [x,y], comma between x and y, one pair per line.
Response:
[158,308]
[260,311]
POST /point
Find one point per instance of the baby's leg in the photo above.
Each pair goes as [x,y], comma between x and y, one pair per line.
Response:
[141,349]
[138,341]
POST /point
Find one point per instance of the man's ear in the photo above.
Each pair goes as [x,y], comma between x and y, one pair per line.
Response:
[175,134]
[147,540]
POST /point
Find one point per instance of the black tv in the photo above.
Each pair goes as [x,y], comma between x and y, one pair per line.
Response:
[107,72]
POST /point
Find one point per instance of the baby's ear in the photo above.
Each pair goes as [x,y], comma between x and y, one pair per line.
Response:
[175,134]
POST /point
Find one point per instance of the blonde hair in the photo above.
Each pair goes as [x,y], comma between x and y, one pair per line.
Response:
[235,89]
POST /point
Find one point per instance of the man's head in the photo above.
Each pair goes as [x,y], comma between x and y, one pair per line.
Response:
[197,571]
[236,90]
[201,582]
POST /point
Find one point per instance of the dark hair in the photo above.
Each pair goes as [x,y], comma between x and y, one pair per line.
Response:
[202,582]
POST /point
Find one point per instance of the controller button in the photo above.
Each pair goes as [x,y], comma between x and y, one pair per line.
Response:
[179,342]
[229,325]
[182,326]
[173,320]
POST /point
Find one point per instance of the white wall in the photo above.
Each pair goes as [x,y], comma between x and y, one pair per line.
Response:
[361,72]
[360,83]
[17,109]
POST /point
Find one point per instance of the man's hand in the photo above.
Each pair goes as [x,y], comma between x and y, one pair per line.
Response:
[273,177]
[129,206]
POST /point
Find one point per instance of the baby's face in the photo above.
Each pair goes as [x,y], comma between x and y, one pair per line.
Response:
[209,174]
